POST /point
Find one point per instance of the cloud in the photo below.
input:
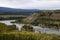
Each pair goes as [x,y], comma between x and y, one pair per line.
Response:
[31,4]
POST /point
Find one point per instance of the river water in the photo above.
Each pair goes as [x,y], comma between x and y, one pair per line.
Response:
[36,28]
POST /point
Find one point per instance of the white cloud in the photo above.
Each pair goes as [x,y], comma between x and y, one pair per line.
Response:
[37,4]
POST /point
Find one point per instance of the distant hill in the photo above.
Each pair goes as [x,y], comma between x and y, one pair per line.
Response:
[12,11]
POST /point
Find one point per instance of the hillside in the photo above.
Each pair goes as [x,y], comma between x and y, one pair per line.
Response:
[50,19]
[12,11]
[55,16]
[31,18]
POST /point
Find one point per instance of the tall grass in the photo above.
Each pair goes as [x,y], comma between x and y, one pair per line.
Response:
[23,35]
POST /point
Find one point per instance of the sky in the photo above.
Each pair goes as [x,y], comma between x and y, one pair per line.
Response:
[31,4]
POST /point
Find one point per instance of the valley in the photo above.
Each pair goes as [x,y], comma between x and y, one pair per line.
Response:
[37,23]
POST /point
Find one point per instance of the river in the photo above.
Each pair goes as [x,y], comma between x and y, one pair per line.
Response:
[36,28]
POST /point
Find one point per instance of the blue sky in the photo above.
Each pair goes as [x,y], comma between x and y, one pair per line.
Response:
[31,4]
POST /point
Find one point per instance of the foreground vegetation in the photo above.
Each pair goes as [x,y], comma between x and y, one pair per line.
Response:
[23,35]
[10,33]
[5,28]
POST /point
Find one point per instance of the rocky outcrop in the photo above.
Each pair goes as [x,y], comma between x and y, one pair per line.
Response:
[55,16]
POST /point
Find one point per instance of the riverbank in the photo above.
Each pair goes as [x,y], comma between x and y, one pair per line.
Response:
[36,28]
[11,33]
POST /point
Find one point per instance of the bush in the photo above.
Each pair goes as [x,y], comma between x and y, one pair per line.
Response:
[4,28]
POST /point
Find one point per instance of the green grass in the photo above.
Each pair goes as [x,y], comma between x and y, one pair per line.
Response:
[4,27]
[23,35]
